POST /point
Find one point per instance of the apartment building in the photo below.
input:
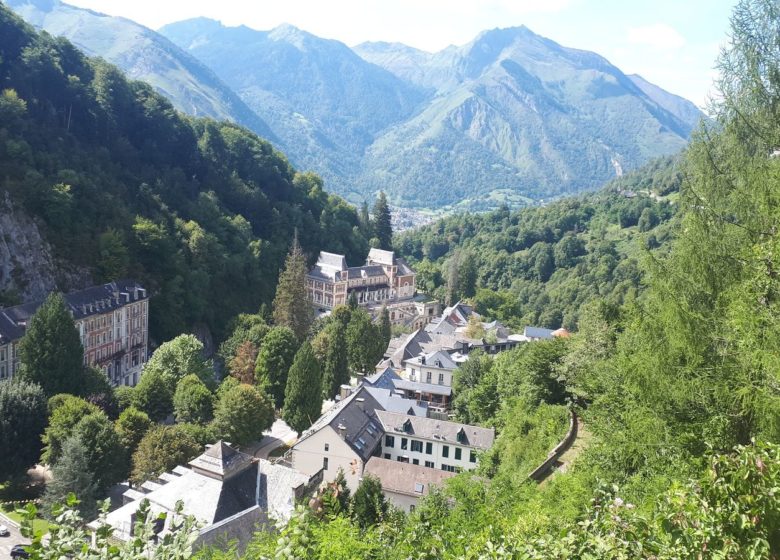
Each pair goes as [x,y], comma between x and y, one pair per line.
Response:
[112,320]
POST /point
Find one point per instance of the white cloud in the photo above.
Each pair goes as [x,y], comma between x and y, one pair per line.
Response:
[659,36]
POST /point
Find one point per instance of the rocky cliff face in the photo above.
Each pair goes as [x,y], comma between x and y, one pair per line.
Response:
[28,268]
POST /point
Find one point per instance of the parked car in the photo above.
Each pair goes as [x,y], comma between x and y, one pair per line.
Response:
[4,532]
[18,551]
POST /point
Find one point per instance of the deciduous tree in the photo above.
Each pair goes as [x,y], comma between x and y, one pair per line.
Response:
[192,401]
[160,450]
[243,414]
[23,416]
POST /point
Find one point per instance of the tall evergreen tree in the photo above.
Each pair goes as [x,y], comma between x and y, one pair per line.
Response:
[51,352]
[274,361]
[369,506]
[22,421]
[292,307]
[303,396]
[107,459]
[383,229]
[365,346]
[385,328]
[335,361]
[72,474]
[364,220]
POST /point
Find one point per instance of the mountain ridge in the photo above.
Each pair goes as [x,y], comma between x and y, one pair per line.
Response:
[510,117]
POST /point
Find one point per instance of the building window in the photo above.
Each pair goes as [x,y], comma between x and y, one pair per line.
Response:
[411,508]
[404,443]
[429,464]
[448,468]
[428,448]
[327,447]
[324,463]
[458,453]
[417,446]
[387,456]
[428,377]
[389,441]
[445,451]
[415,461]
[441,379]
[472,456]
[403,459]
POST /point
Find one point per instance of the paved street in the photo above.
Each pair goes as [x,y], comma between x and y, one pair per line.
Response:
[6,543]
[279,434]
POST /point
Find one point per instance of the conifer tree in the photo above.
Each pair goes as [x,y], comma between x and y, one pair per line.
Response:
[303,396]
[292,307]
[72,474]
[365,345]
[51,352]
[274,361]
[383,229]
[369,506]
[335,362]
[364,220]
[385,328]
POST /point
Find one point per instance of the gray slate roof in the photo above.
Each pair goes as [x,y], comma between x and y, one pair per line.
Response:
[356,419]
[431,359]
[441,430]
[380,256]
[94,300]
[405,478]
[538,332]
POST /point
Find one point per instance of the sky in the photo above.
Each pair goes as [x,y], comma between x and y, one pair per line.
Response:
[672,43]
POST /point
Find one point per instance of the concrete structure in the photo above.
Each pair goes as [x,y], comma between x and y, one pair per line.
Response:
[113,323]
[432,443]
[403,484]
[230,494]
[348,434]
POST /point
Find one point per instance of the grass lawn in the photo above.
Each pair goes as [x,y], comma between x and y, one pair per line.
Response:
[40,526]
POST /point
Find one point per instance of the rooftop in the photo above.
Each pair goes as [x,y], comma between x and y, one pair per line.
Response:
[405,478]
[433,429]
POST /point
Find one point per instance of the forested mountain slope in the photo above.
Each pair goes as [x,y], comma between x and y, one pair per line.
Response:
[507,117]
[540,266]
[202,212]
[324,101]
[144,55]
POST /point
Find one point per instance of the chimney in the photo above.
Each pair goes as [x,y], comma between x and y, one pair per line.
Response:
[361,403]
[342,431]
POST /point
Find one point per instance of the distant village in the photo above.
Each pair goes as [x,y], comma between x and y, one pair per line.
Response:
[393,423]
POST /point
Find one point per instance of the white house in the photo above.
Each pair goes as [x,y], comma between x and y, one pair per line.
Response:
[432,443]
[345,437]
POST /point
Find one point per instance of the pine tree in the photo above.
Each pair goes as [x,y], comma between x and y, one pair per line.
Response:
[303,396]
[385,328]
[335,362]
[364,220]
[369,506]
[72,474]
[292,307]
[51,351]
[383,229]
[274,361]
[365,346]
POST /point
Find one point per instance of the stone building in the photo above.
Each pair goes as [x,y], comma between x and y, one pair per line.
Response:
[113,323]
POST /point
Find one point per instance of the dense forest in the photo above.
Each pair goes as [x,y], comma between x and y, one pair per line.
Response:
[201,212]
[540,265]
[677,389]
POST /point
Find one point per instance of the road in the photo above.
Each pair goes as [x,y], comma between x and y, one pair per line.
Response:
[6,543]
[279,434]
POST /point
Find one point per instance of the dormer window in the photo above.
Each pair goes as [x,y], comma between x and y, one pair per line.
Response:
[408,426]
[461,436]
